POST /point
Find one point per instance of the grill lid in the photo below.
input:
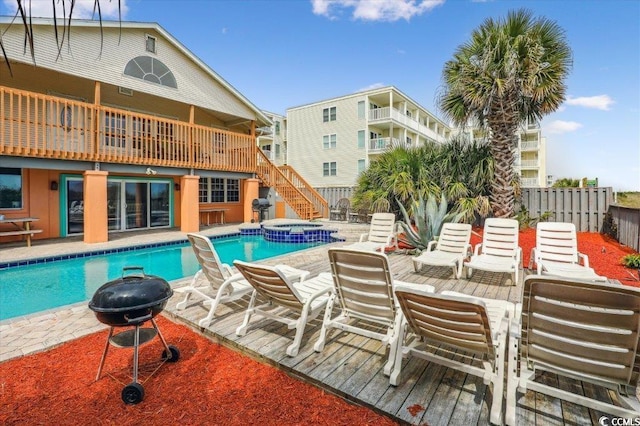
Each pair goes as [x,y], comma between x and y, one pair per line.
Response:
[131,292]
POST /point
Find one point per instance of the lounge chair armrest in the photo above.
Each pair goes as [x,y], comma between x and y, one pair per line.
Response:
[519,259]
[468,250]
[364,237]
[431,244]
[234,277]
[477,250]
[515,328]
[585,259]
[532,258]
[228,269]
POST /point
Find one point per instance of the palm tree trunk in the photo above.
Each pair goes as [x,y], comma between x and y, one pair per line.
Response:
[503,125]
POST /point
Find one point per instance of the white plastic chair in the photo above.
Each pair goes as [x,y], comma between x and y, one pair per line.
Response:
[363,291]
[222,284]
[451,248]
[380,236]
[472,330]
[582,330]
[499,251]
[556,253]
[304,300]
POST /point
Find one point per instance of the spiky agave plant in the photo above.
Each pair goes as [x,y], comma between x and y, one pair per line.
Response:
[428,218]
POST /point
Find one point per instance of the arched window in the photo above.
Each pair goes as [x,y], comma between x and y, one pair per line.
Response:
[150,69]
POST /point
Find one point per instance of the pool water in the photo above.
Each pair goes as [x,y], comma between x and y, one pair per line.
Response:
[34,288]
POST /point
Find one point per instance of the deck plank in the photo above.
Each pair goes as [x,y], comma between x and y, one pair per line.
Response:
[351,365]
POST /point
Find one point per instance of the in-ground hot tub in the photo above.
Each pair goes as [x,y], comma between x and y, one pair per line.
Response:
[299,232]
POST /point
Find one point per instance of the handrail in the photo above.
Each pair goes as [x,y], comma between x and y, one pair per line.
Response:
[272,176]
[37,125]
[321,205]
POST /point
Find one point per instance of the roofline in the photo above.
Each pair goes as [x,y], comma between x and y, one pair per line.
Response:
[88,23]
[370,92]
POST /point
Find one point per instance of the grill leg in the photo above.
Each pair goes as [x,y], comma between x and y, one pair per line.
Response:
[136,344]
[104,354]
[164,342]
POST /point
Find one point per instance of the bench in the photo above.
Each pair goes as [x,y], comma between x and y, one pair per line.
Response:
[29,233]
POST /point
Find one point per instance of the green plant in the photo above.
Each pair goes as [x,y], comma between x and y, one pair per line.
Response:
[527,221]
[428,218]
[631,261]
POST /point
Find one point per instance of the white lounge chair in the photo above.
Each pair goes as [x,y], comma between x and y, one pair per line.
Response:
[451,248]
[582,330]
[363,291]
[556,253]
[304,300]
[380,236]
[222,284]
[499,250]
[472,330]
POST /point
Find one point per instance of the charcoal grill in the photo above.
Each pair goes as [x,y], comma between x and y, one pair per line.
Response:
[260,206]
[130,301]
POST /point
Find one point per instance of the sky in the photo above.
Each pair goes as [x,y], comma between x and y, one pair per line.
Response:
[286,53]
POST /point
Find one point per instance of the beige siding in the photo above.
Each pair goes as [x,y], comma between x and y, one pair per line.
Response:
[305,141]
[82,56]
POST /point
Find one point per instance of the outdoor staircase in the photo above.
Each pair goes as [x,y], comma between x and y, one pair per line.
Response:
[296,192]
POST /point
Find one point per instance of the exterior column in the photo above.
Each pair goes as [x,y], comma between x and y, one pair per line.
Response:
[250,191]
[189,204]
[96,220]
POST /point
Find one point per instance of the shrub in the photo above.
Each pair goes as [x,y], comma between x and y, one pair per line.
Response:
[632,261]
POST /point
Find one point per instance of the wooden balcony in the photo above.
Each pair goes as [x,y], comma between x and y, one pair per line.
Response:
[42,126]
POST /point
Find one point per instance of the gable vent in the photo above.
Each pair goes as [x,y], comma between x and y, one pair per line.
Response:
[125,91]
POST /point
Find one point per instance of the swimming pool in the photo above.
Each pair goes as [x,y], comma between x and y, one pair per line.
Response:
[34,288]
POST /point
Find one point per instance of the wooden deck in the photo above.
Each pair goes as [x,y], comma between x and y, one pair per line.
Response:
[351,366]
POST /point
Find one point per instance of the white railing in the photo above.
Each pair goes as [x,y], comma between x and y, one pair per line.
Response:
[529,146]
[529,163]
[381,144]
[388,113]
[529,182]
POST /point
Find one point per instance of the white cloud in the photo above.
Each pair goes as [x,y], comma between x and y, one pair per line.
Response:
[375,10]
[83,9]
[602,102]
[559,127]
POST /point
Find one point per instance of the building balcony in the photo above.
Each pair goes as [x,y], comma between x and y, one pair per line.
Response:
[382,144]
[529,182]
[530,146]
[385,114]
[43,126]
[530,164]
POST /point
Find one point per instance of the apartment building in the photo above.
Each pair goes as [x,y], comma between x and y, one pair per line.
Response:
[330,142]
[272,139]
[333,140]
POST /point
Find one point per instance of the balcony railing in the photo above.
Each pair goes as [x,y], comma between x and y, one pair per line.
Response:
[529,182]
[36,125]
[529,163]
[388,113]
[382,144]
[529,146]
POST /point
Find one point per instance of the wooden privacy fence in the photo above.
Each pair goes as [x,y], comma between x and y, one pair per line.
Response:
[584,207]
[333,194]
[628,222]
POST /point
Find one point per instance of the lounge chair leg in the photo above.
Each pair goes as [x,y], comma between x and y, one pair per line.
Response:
[187,295]
[242,330]
[319,346]
[293,348]
[512,382]
[394,376]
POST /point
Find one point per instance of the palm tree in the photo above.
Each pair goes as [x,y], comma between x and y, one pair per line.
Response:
[458,169]
[510,72]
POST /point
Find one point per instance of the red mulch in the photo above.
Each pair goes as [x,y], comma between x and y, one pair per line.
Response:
[604,253]
[209,384]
